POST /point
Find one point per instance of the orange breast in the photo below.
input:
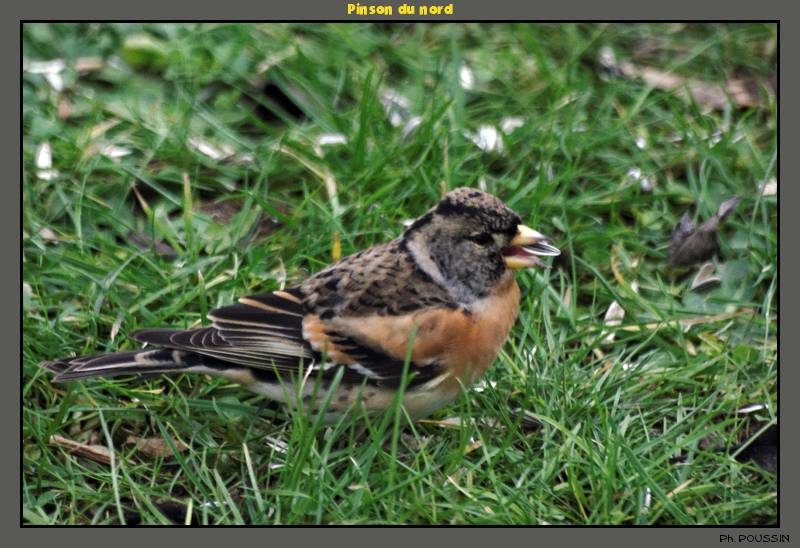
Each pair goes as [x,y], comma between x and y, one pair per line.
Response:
[492,319]
[466,343]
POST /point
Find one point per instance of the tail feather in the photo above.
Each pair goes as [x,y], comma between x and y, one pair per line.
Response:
[138,362]
[57,366]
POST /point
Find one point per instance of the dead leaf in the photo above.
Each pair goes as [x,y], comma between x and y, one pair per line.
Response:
[47,235]
[51,70]
[608,60]
[690,244]
[510,123]
[566,299]
[680,488]
[98,453]
[705,278]
[44,162]
[614,316]
[328,139]
[487,138]
[155,447]
[115,152]
[466,77]
[726,207]
[473,446]
[450,422]
[44,67]
[743,92]
[769,188]
[215,152]
[645,182]
[85,65]
[752,408]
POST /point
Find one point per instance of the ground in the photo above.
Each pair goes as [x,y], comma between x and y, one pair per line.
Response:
[192,164]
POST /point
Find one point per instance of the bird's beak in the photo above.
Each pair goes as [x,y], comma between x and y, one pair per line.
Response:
[526,248]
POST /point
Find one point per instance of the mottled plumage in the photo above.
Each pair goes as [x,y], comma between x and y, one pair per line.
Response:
[444,284]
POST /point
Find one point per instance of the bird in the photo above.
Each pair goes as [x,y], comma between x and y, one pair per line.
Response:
[426,313]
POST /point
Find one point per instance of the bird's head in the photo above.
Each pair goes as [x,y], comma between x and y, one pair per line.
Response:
[470,239]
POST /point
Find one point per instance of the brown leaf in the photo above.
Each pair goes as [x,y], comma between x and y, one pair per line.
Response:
[473,446]
[450,422]
[85,65]
[155,447]
[690,244]
[98,453]
[680,488]
[743,92]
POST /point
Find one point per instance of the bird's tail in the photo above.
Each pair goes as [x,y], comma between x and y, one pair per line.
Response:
[137,362]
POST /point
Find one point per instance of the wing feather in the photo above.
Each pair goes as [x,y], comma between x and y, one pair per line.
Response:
[268,332]
[262,331]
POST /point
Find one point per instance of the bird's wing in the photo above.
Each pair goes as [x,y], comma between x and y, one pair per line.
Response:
[261,331]
[361,312]
[278,332]
[382,280]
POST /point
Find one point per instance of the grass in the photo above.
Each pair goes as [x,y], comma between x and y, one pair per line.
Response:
[641,430]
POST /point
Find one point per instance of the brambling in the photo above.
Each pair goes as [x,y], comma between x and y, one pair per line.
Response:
[444,292]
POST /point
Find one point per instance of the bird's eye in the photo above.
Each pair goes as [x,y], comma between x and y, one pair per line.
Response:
[481,238]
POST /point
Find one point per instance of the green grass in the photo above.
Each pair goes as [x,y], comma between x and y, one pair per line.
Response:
[638,418]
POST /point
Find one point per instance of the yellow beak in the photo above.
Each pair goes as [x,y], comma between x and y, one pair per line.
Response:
[526,248]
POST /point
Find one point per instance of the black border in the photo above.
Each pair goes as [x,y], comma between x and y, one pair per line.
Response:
[781,268]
